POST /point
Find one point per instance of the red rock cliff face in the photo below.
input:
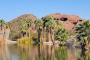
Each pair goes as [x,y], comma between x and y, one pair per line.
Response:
[69,21]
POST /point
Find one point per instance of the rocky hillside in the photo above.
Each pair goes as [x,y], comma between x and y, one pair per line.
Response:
[15,22]
[69,21]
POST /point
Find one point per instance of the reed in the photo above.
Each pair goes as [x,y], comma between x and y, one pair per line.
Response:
[25,40]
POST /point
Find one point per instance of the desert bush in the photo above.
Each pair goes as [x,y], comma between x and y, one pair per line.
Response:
[14,35]
[25,40]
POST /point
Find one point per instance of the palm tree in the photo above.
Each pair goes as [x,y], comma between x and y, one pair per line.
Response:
[8,25]
[51,26]
[23,27]
[48,23]
[83,33]
[61,35]
[59,24]
[29,22]
[39,26]
[2,22]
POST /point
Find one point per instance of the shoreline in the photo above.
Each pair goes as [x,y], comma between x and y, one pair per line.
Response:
[10,42]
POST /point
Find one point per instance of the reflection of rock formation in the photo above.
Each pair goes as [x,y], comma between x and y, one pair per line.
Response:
[7,52]
[4,32]
[4,52]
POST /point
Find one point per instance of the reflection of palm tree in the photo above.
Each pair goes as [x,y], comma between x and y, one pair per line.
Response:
[39,50]
[61,54]
[7,53]
[84,55]
[1,52]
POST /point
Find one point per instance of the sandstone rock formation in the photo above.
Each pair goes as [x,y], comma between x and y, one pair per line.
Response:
[69,21]
[4,32]
[15,22]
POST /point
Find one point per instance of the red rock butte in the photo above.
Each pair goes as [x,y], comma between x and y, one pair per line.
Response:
[69,21]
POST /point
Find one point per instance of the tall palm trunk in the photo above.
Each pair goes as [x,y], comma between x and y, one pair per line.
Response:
[42,35]
[29,31]
[21,34]
[26,34]
[52,36]
[48,34]
[39,33]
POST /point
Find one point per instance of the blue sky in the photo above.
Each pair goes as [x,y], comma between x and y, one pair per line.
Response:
[10,9]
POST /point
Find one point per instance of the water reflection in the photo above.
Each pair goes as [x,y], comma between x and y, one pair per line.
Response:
[4,52]
[41,52]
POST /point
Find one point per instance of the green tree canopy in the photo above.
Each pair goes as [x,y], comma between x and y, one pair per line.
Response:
[61,35]
[83,32]
[23,25]
[39,24]
[29,22]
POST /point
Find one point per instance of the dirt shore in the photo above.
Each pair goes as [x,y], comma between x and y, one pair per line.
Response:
[11,42]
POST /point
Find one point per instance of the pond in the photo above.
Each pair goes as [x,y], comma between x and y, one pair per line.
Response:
[41,52]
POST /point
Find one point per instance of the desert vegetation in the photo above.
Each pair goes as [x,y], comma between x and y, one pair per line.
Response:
[48,30]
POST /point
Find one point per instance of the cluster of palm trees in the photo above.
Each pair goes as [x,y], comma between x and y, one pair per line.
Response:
[46,28]
[25,26]
[4,24]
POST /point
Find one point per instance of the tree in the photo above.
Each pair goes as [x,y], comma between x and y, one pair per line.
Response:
[61,35]
[8,25]
[59,24]
[83,33]
[2,21]
[39,26]
[23,27]
[49,23]
[29,22]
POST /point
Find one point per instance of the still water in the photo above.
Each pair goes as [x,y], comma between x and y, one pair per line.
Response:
[41,52]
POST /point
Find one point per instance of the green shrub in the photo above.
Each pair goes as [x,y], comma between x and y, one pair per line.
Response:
[25,40]
[14,35]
